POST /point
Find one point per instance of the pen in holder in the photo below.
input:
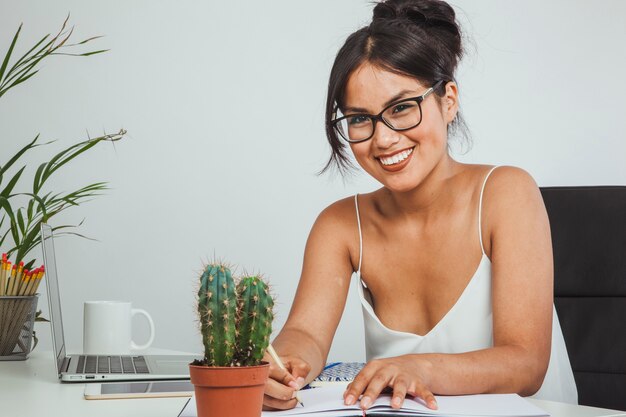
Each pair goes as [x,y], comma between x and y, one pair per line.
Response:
[17,318]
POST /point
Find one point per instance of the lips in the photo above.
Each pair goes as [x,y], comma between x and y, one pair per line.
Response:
[397,160]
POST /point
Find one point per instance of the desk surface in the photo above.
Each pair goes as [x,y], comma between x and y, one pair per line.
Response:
[31,389]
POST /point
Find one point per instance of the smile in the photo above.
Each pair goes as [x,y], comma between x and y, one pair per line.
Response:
[397,158]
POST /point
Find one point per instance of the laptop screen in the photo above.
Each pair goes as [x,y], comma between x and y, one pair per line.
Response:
[54,296]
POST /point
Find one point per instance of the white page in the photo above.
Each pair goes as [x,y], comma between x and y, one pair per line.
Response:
[328,402]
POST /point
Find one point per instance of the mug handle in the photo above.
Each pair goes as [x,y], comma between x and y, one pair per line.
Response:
[144,313]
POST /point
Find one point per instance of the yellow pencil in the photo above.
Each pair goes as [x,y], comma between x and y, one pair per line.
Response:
[11,280]
[34,282]
[32,276]
[7,276]
[28,283]
[22,282]
[274,355]
[40,275]
[18,278]
[3,275]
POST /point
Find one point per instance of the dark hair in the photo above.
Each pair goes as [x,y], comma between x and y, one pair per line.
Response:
[418,38]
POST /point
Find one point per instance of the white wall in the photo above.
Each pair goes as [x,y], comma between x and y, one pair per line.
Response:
[223,102]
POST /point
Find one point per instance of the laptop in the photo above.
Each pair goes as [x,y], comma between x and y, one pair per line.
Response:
[100,368]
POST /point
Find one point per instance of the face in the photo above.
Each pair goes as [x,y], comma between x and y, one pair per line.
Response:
[400,160]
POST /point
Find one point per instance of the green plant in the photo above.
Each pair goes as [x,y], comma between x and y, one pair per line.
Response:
[235,320]
[23,212]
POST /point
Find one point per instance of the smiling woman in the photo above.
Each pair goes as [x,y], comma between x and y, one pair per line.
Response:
[453,261]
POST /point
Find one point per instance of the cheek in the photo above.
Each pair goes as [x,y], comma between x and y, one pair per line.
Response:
[360,150]
[362,154]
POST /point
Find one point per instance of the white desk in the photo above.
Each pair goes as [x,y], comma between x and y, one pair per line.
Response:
[31,389]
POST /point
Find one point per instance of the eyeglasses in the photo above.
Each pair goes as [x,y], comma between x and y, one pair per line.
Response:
[401,115]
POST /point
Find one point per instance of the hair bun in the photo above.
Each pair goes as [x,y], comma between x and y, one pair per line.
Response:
[425,13]
[387,11]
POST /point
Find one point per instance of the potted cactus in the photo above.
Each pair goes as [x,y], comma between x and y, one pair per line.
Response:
[236,324]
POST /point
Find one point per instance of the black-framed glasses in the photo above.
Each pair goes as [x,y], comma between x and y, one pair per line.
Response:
[401,115]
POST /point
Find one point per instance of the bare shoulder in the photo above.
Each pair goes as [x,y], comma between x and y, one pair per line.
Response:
[338,213]
[509,186]
[512,205]
[337,220]
[334,236]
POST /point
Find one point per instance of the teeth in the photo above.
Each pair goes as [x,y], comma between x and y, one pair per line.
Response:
[397,157]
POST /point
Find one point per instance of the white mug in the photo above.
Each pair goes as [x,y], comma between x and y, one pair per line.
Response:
[107,327]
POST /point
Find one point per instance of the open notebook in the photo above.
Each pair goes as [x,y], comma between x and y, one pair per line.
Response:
[327,401]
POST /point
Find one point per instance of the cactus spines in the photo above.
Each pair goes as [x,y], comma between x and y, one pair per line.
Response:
[217,311]
[236,320]
[254,321]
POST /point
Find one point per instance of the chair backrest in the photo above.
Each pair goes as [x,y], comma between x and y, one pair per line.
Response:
[588,227]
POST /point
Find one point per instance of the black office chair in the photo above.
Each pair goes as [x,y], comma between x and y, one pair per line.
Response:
[589,241]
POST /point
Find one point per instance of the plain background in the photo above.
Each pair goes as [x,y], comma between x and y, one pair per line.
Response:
[223,103]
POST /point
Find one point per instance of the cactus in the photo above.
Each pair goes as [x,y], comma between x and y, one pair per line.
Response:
[255,317]
[217,309]
[235,320]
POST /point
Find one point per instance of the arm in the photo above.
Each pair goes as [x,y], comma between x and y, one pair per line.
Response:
[306,337]
[517,237]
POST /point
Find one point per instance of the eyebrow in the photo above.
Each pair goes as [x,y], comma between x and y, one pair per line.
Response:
[388,102]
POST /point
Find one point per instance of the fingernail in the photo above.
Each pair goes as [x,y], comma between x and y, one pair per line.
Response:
[366,402]
[293,395]
[294,385]
[433,404]
[349,400]
[300,382]
[396,401]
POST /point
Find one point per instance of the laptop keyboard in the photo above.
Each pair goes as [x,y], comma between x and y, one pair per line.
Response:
[88,364]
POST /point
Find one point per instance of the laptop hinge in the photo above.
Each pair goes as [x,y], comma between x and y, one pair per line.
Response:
[66,364]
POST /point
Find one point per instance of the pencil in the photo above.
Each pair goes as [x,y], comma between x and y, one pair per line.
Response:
[3,275]
[11,280]
[40,275]
[274,355]
[31,281]
[23,282]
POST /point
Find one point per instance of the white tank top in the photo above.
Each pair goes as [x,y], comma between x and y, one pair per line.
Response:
[467,326]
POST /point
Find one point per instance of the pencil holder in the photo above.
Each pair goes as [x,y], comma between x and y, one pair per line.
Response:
[17,317]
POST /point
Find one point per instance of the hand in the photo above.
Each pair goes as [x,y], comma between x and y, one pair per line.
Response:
[281,387]
[407,374]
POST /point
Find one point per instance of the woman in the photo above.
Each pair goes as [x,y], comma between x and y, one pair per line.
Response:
[453,261]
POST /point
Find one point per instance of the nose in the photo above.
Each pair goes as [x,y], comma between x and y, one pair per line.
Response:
[384,137]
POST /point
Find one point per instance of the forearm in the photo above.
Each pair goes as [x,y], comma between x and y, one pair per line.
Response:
[502,369]
[295,342]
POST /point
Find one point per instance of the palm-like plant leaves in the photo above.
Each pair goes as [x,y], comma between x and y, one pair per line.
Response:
[25,67]
[21,223]
[24,224]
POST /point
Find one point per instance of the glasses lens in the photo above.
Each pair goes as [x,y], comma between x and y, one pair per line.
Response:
[355,127]
[404,115]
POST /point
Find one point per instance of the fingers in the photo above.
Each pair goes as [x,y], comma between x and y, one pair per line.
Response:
[299,369]
[376,385]
[279,396]
[372,380]
[369,382]
[419,390]
[283,376]
[272,404]
[280,390]
[399,393]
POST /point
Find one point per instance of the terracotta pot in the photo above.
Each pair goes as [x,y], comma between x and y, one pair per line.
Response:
[229,391]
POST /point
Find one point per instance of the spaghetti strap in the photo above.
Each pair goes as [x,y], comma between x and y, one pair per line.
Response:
[358,220]
[480,210]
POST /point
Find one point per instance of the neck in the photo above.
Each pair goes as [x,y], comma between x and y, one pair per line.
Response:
[429,195]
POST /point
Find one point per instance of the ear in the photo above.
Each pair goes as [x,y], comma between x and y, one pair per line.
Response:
[450,102]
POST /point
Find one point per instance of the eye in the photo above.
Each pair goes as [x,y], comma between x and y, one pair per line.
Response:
[402,107]
[358,120]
